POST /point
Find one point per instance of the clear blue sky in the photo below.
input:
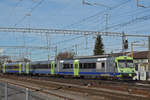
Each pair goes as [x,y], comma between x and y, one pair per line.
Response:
[124,15]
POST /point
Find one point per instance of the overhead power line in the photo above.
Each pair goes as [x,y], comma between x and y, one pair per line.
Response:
[58,31]
[97,14]
[139,19]
[62,31]
[29,13]
[95,4]
[140,5]
[27,47]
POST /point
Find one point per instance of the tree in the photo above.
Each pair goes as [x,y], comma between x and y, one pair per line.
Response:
[65,55]
[99,47]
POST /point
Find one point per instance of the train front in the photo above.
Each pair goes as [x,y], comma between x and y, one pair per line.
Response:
[125,66]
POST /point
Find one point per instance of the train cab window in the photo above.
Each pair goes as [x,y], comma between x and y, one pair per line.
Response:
[115,65]
[103,64]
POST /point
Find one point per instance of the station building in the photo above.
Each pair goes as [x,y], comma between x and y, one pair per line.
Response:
[141,64]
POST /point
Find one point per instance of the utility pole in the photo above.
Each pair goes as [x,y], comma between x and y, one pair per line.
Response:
[48,50]
[86,40]
[76,49]
[132,50]
[149,53]
[123,41]
[56,53]
[24,40]
[106,26]
[139,5]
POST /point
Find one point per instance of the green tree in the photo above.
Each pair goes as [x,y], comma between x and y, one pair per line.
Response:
[99,46]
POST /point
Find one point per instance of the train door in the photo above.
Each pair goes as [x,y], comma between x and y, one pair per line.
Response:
[52,68]
[0,68]
[76,67]
[98,66]
[101,66]
[20,65]
[4,68]
[27,68]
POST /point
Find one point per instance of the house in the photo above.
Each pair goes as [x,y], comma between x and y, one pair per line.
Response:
[141,60]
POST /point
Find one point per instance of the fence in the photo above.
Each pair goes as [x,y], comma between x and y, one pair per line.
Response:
[11,92]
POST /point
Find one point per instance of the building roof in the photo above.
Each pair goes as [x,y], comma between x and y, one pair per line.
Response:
[136,55]
[140,55]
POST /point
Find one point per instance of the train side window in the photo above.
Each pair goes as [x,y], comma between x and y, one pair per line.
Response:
[64,66]
[93,65]
[71,65]
[68,66]
[89,65]
[103,64]
[50,66]
[55,65]
[85,65]
[47,66]
[80,65]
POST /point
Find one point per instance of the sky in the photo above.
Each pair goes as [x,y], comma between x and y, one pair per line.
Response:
[123,16]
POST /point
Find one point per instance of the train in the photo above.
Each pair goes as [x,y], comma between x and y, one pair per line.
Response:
[94,66]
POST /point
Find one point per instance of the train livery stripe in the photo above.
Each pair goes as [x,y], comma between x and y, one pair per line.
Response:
[92,73]
[12,71]
[41,72]
[20,68]
[76,68]
[52,68]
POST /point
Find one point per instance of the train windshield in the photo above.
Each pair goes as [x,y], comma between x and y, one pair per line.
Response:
[125,63]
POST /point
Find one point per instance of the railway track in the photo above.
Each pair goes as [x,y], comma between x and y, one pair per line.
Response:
[87,88]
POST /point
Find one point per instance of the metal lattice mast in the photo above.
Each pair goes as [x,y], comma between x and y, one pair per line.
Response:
[62,31]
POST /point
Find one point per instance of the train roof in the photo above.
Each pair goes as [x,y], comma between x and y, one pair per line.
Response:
[41,62]
[83,60]
[7,64]
[92,57]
